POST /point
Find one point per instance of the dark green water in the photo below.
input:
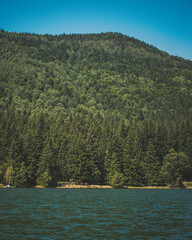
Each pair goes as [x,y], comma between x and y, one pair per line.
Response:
[95,214]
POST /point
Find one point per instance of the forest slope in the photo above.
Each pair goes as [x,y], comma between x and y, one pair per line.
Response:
[97,108]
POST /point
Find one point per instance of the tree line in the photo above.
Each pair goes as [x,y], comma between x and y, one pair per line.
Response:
[44,151]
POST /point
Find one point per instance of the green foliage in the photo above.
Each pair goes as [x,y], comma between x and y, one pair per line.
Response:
[20,176]
[44,178]
[174,167]
[117,180]
[95,108]
[150,166]
[8,175]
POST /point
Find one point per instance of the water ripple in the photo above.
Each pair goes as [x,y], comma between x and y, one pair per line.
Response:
[95,214]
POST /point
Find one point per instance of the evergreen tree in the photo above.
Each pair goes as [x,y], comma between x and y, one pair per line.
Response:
[150,166]
[47,174]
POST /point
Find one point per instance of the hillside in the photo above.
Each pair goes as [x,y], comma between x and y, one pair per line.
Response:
[96,108]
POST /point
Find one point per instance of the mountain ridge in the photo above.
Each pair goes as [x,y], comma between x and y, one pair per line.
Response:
[96,34]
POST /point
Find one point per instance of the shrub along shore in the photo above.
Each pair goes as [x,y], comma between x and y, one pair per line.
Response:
[186,185]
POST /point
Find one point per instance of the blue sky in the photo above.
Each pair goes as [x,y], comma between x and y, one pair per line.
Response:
[166,24]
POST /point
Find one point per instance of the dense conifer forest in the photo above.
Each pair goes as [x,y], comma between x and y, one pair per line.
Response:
[93,108]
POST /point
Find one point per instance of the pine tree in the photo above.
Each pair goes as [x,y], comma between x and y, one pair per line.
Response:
[150,166]
[46,167]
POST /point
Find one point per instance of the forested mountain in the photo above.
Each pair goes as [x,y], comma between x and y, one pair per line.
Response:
[95,108]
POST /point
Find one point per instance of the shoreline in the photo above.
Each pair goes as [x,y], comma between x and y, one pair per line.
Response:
[110,187]
[186,185]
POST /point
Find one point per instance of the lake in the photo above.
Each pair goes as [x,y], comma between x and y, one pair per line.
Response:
[95,214]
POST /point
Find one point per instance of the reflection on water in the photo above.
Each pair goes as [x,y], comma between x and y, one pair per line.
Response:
[95,214]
